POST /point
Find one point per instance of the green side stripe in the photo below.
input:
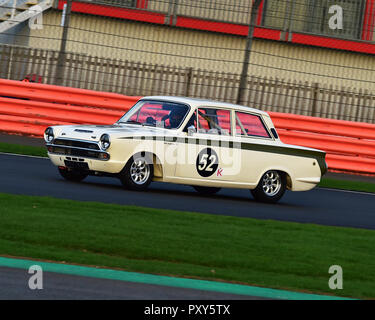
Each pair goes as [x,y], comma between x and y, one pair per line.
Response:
[319,156]
[163,280]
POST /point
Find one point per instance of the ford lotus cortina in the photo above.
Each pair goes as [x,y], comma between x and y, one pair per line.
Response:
[206,144]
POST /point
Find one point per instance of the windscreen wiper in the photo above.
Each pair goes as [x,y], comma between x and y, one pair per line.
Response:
[132,122]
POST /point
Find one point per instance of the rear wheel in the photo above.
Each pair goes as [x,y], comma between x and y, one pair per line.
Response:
[138,173]
[271,187]
[206,190]
[72,174]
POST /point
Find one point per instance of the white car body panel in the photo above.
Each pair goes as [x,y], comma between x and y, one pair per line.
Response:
[177,151]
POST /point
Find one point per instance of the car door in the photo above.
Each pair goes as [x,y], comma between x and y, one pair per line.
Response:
[208,152]
[255,141]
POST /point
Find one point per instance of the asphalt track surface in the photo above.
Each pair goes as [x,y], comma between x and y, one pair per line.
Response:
[14,286]
[39,177]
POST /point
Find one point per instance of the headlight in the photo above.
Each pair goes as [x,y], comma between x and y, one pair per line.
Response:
[105,142]
[48,135]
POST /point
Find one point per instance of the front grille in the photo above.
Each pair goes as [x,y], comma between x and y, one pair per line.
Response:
[76,143]
[63,150]
[77,148]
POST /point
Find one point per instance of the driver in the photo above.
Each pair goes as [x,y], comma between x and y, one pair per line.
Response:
[175,117]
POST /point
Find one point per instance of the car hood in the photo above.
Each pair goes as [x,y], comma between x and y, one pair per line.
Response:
[94,132]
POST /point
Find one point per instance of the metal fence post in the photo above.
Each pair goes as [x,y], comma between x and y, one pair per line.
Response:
[288,24]
[171,16]
[315,96]
[13,12]
[189,74]
[249,43]
[59,76]
[174,13]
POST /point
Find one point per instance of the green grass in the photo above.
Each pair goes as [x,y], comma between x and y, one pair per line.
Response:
[20,149]
[347,185]
[272,254]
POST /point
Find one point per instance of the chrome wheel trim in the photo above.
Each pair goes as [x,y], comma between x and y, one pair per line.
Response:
[271,183]
[139,171]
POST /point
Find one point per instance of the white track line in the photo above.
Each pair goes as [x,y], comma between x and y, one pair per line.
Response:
[348,191]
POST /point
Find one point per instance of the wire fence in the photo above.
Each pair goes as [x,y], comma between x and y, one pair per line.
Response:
[106,52]
[309,16]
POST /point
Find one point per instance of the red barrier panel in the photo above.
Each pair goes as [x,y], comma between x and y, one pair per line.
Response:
[25,125]
[351,164]
[66,95]
[34,106]
[60,112]
[350,146]
[324,126]
[332,144]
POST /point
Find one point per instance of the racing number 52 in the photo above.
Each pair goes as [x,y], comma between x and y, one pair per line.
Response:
[207,162]
[205,165]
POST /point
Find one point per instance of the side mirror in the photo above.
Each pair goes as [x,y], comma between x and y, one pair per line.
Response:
[191,131]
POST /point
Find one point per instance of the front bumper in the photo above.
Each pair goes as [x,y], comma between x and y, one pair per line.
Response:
[77,152]
[85,155]
[109,166]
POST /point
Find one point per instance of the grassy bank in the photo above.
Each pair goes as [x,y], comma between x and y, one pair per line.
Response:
[347,185]
[265,253]
[20,149]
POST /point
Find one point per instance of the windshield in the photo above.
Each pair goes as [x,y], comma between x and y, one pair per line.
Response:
[164,114]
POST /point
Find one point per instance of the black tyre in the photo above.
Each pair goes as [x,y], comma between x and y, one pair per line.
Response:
[138,172]
[206,190]
[271,187]
[72,174]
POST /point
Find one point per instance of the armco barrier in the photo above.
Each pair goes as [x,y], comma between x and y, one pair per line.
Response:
[34,106]
[350,146]
[65,95]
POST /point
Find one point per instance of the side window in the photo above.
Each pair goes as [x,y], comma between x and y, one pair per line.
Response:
[203,121]
[214,121]
[250,125]
[223,117]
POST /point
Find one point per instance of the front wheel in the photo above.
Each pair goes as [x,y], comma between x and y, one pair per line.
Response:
[138,173]
[271,187]
[72,174]
[206,190]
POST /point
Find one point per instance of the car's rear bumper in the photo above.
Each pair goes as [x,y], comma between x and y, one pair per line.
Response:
[305,183]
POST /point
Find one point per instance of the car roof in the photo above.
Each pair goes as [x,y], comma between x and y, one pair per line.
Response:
[196,102]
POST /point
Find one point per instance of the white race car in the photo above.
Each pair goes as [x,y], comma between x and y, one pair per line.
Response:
[206,144]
